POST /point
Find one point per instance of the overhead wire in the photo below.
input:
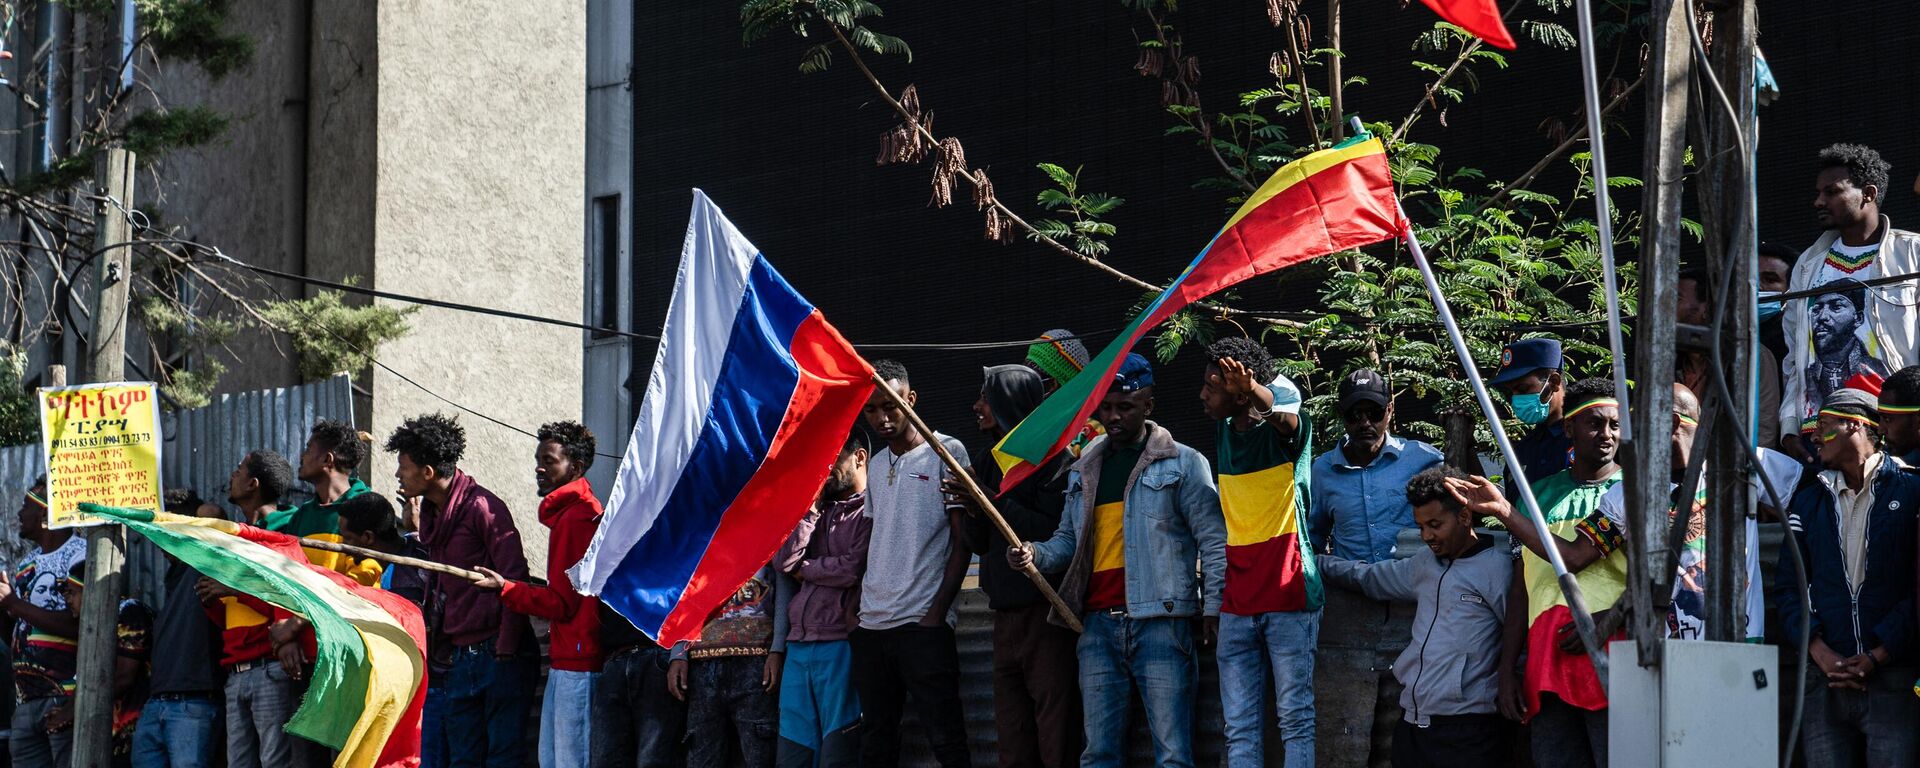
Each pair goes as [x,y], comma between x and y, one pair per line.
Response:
[1699,49]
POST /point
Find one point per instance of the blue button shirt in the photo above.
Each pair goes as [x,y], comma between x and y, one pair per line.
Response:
[1362,509]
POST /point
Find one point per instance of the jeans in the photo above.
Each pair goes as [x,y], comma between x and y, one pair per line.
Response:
[819,715]
[893,665]
[433,722]
[636,722]
[260,701]
[566,719]
[1036,689]
[1566,736]
[1869,729]
[176,733]
[31,745]
[1119,654]
[486,708]
[1452,741]
[727,705]
[1250,646]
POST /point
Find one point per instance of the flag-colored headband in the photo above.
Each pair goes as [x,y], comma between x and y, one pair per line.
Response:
[1884,408]
[1604,402]
[1687,420]
[1862,418]
[37,500]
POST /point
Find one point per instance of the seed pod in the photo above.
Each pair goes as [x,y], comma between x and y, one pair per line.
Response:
[910,100]
[1149,63]
[982,190]
[952,160]
[1191,72]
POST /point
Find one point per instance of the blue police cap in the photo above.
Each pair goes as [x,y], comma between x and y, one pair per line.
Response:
[1526,356]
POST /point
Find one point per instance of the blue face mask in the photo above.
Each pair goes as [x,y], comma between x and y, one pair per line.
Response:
[1769,309]
[1529,409]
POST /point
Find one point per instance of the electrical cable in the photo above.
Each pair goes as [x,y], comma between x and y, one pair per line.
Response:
[417,385]
[1717,375]
[223,257]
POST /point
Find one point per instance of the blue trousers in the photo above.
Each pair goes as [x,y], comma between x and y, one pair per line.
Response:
[1118,655]
[175,733]
[1283,643]
[485,704]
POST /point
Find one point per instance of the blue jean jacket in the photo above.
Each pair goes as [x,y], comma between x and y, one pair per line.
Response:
[1175,537]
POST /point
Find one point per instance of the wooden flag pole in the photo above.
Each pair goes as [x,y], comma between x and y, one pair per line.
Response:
[412,562]
[980,497]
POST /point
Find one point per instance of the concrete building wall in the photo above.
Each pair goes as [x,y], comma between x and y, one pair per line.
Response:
[243,192]
[479,168]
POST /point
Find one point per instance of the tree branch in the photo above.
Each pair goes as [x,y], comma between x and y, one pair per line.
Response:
[1036,234]
[1575,138]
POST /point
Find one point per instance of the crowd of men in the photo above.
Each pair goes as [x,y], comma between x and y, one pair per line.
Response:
[1155,548]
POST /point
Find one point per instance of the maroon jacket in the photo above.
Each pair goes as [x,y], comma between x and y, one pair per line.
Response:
[573,514]
[475,529]
[827,553]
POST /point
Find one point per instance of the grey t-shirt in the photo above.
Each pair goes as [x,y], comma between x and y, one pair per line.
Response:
[907,554]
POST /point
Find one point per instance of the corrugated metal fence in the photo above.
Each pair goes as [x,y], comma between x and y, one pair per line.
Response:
[201,448]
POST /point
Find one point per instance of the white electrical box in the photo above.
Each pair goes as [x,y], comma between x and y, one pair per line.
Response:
[1705,704]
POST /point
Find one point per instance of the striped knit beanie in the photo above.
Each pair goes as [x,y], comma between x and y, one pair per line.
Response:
[1060,360]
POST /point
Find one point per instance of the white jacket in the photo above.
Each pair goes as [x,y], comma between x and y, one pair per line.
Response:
[1896,323]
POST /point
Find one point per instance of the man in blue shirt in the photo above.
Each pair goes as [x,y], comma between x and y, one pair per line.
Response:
[1359,498]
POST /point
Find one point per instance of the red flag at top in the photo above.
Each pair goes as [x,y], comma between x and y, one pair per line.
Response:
[1481,18]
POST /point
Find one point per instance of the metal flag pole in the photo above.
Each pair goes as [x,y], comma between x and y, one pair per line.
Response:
[965,477]
[1569,585]
[1603,212]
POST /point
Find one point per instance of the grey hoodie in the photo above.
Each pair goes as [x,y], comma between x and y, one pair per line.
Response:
[1451,666]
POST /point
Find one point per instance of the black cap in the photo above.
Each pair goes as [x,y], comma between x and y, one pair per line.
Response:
[1364,386]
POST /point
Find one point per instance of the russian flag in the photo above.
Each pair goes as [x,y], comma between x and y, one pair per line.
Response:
[747,406]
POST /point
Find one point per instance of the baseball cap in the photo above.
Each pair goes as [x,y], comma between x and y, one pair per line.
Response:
[1364,386]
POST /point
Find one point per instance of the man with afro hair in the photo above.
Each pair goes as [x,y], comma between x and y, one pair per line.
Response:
[485,653]
[1828,337]
[1270,600]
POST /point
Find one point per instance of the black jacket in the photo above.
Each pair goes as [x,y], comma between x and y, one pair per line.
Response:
[1881,613]
[1032,508]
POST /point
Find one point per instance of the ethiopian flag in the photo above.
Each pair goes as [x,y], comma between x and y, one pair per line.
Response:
[369,675]
[1326,202]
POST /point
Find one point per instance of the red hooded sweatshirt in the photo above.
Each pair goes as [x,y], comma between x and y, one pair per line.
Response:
[571,513]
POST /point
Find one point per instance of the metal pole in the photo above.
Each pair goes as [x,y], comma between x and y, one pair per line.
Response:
[1603,212]
[1569,585]
[106,551]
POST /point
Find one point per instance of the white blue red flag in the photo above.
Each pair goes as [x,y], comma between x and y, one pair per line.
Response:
[748,404]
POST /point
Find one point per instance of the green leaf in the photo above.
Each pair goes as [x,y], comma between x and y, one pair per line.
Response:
[1059,175]
[1052,199]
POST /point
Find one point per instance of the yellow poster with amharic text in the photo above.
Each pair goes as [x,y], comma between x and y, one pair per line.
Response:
[102,443]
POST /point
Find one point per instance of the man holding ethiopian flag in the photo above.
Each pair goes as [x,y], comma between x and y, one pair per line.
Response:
[1326,202]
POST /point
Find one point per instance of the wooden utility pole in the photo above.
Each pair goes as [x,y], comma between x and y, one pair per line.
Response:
[1728,214]
[106,552]
[1669,65]
[1336,120]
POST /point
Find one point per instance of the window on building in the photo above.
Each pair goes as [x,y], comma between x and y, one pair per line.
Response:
[603,275]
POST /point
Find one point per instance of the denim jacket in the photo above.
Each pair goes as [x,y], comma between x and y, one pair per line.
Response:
[1175,538]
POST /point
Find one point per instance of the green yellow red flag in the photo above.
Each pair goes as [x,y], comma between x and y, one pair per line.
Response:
[369,675]
[1326,202]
